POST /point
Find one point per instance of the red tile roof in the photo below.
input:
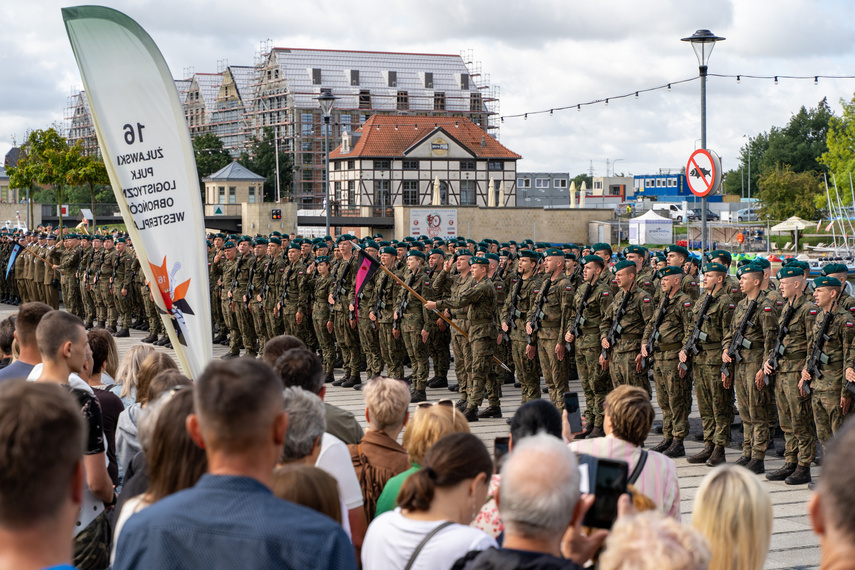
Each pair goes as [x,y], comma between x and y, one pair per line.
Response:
[390,136]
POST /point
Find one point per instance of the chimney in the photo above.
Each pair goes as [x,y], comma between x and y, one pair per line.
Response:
[345,142]
[483,141]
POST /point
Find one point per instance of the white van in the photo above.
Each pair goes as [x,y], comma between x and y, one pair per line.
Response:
[673,211]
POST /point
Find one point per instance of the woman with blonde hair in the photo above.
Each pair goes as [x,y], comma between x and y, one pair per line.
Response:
[429,423]
[734,512]
[126,376]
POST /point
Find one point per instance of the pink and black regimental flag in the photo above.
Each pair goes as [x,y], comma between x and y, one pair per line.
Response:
[364,273]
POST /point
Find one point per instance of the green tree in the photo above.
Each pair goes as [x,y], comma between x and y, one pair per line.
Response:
[211,156]
[261,159]
[784,193]
[579,178]
[44,161]
[839,156]
[86,171]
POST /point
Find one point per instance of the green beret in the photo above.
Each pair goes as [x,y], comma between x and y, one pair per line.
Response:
[409,239]
[742,262]
[389,249]
[659,256]
[424,238]
[504,245]
[436,251]
[790,271]
[479,261]
[512,242]
[553,251]
[370,244]
[276,233]
[275,240]
[528,253]
[220,235]
[481,249]
[233,237]
[762,262]
[601,247]
[244,239]
[541,245]
[725,255]
[98,237]
[402,245]
[493,257]
[826,281]
[293,245]
[620,265]
[118,240]
[260,241]
[803,265]
[322,259]
[108,237]
[229,245]
[715,268]
[834,268]
[637,249]
[678,249]
[438,242]
[377,236]
[571,246]
[416,253]
[749,268]
[594,259]
[504,253]
[670,270]
[570,256]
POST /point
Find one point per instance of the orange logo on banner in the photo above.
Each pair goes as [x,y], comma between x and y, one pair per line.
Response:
[740,237]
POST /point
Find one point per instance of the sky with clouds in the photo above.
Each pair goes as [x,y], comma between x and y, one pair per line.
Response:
[542,53]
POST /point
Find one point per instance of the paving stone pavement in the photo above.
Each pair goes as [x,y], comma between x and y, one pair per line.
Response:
[794,545]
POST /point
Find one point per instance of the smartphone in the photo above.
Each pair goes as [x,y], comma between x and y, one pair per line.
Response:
[574,414]
[500,447]
[606,479]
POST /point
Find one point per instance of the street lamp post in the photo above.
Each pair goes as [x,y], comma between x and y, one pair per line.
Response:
[326,100]
[749,176]
[703,42]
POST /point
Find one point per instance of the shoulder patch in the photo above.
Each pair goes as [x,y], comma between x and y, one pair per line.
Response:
[731,305]
[767,309]
[499,287]
[692,283]
[568,288]
[813,311]
[687,304]
[779,303]
[647,282]
[605,293]
[646,299]
[850,324]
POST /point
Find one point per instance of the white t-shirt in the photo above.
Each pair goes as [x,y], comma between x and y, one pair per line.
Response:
[392,538]
[335,460]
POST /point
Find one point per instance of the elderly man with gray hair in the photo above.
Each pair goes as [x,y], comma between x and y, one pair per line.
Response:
[542,510]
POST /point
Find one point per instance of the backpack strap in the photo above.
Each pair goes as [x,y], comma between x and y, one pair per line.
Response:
[639,467]
[424,541]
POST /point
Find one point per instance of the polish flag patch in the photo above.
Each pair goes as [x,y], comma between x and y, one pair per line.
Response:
[647,299]
[687,304]
[568,288]
[768,309]
[850,324]
[605,293]
[731,305]
[813,311]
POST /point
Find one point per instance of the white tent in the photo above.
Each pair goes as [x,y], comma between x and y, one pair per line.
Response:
[651,229]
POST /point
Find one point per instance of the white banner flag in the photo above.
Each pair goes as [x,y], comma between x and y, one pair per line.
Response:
[146,147]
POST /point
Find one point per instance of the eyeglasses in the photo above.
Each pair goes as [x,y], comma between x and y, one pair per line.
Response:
[445,402]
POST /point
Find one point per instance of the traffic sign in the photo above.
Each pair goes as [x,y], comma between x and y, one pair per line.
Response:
[703,172]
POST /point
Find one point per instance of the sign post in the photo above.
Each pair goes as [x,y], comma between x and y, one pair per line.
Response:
[703,175]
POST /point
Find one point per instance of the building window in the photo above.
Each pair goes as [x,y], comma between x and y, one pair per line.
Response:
[351,199]
[382,165]
[475,102]
[316,76]
[350,165]
[307,158]
[467,192]
[232,195]
[393,79]
[523,182]
[365,99]
[221,199]
[672,182]
[354,77]
[598,184]
[403,101]
[467,165]
[381,193]
[307,124]
[439,101]
[307,189]
[362,118]
[251,198]
[410,165]
[648,183]
[464,81]
[411,193]
[428,80]
[659,183]
[495,165]
[560,183]
[540,182]
[344,121]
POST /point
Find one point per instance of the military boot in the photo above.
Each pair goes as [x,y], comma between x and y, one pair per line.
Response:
[676,449]
[328,377]
[342,381]
[437,382]
[782,473]
[471,414]
[461,405]
[352,381]
[743,461]
[150,338]
[717,457]
[490,412]
[703,455]
[800,476]
[122,333]
[415,396]
[598,431]
[663,445]
[757,466]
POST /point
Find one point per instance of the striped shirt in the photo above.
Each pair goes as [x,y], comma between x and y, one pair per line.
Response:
[658,480]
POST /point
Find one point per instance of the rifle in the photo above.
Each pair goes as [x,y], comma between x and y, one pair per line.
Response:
[249,285]
[513,312]
[380,304]
[284,295]
[654,334]
[339,285]
[537,314]
[266,288]
[402,306]
[817,356]
[691,346]
[235,280]
[739,340]
[778,348]
[576,328]
[614,331]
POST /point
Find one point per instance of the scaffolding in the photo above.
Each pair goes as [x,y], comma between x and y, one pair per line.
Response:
[78,126]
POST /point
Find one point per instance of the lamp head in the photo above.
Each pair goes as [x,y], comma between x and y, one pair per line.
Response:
[703,42]
[326,100]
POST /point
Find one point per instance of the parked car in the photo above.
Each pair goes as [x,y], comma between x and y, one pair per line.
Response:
[711,216]
[673,211]
[747,215]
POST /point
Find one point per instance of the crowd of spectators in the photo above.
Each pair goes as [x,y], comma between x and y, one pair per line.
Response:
[131,465]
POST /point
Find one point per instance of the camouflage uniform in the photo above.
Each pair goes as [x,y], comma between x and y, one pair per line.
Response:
[369,331]
[526,371]
[392,349]
[621,356]
[121,280]
[271,290]
[229,269]
[645,280]
[595,381]
[69,262]
[242,314]
[346,338]
[461,347]
[438,340]
[294,299]
[731,285]
[51,282]
[554,320]
[256,284]
[670,388]
[830,387]
[412,320]
[753,403]
[715,403]
[215,271]
[321,315]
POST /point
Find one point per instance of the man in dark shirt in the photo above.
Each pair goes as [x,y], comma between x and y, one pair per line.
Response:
[7,337]
[29,315]
[231,519]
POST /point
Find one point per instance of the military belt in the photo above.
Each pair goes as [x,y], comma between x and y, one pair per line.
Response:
[481,322]
[631,337]
[795,356]
[667,347]
[710,346]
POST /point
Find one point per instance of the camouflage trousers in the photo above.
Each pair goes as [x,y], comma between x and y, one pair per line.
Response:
[231,323]
[109,305]
[92,545]
[272,320]
[554,370]
[827,413]
[155,323]
[369,338]
[100,306]
[462,358]
[71,296]
[438,349]
[595,381]
[418,353]
[123,306]
[347,340]
[327,343]
[481,373]
[289,320]
[671,395]
[217,311]
[715,404]
[526,371]
[795,415]
[504,355]
[257,312]
[753,405]
[52,295]
[243,316]
[392,351]
[622,369]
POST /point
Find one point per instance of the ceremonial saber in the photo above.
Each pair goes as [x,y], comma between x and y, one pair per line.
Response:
[423,300]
